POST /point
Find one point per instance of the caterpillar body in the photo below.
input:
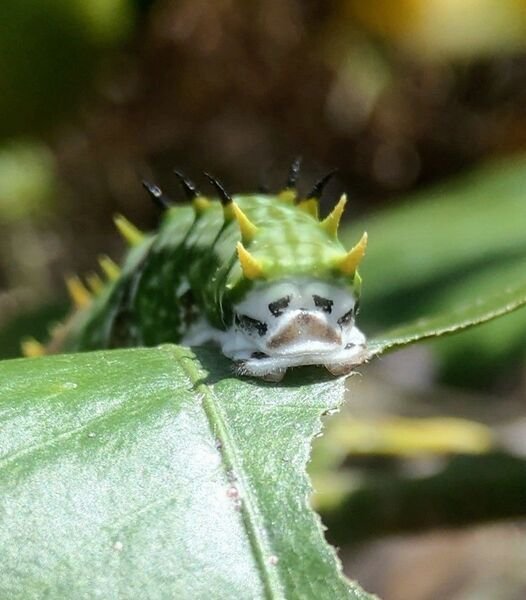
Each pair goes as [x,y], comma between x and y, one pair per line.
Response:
[259,274]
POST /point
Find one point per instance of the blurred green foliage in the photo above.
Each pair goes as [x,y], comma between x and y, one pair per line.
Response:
[431,239]
[28,181]
[441,29]
[445,245]
[48,52]
[469,488]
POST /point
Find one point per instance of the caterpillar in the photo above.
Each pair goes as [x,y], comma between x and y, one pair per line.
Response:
[259,274]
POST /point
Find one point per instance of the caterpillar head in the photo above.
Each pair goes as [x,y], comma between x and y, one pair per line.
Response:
[300,307]
[292,322]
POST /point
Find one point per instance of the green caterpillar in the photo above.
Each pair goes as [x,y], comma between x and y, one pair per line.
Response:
[259,274]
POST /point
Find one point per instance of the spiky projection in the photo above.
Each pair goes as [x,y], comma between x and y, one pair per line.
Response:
[259,274]
[129,232]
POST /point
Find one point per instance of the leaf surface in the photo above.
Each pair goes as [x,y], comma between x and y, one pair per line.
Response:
[143,473]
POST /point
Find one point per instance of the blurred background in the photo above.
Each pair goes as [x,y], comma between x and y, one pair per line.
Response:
[420,105]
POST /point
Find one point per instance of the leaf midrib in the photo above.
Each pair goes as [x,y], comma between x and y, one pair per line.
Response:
[252,519]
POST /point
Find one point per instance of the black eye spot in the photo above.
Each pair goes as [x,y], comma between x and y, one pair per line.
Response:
[258,355]
[276,308]
[346,317]
[251,324]
[324,303]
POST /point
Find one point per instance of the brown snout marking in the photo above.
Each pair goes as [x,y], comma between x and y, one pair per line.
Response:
[305,325]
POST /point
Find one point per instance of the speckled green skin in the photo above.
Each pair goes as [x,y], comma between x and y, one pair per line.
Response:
[190,268]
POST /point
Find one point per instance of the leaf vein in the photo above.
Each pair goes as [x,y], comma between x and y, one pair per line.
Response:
[260,546]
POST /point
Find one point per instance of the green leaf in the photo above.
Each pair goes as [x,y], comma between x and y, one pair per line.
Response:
[479,309]
[495,347]
[144,474]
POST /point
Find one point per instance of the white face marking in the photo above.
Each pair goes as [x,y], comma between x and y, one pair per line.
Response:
[300,321]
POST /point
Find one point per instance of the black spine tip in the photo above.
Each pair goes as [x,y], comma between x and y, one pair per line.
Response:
[156,195]
[189,188]
[319,186]
[294,173]
[224,196]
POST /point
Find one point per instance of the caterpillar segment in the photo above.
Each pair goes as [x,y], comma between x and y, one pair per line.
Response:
[320,185]
[294,174]
[129,232]
[258,274]
[289,193]
[348,264]
[156,194]
[110,268]
[94,283]
[78,292]
[31,348]
[251,267]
